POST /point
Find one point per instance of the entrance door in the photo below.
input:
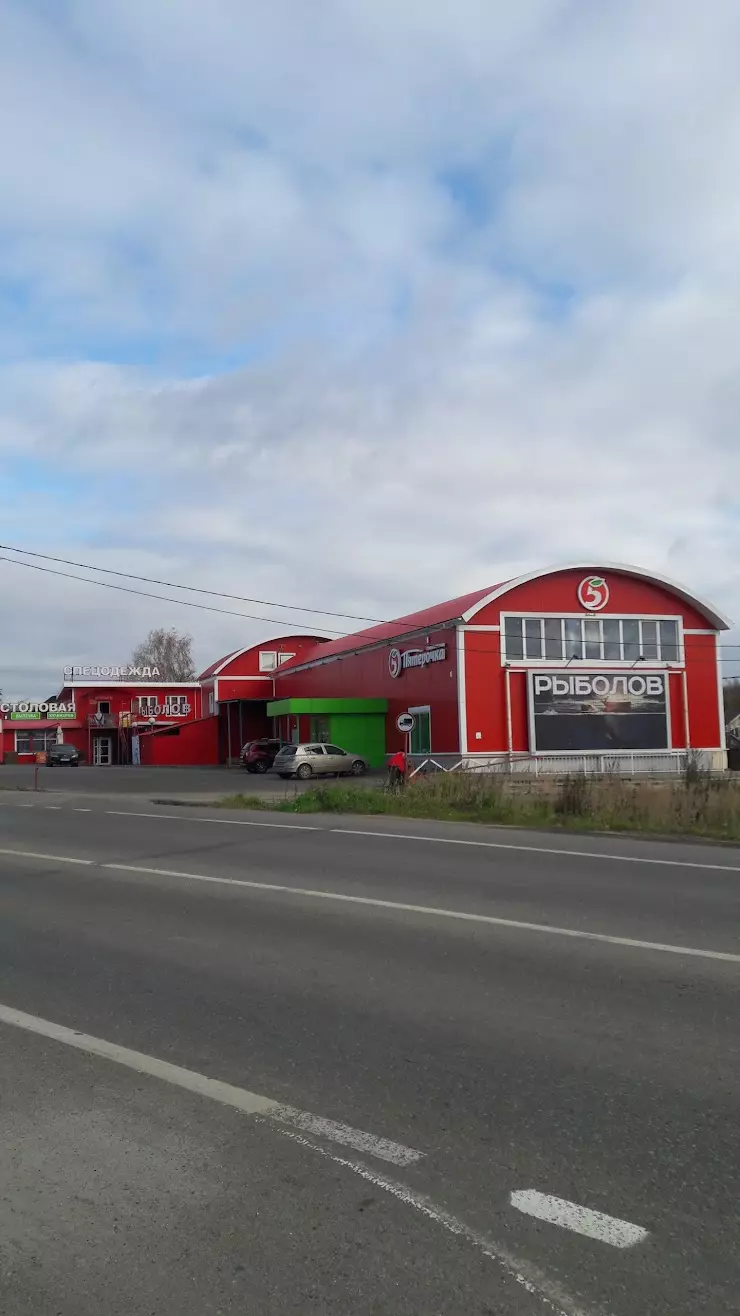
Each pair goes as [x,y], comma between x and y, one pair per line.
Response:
[421,736]
[102,754]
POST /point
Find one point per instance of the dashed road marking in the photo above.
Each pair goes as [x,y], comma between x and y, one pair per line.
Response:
[579,1219]
[250,1103]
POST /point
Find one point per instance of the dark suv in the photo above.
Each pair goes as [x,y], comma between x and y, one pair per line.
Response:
[259,755]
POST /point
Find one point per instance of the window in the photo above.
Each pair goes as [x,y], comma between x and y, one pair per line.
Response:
[612,640]
[315,749]
[268,660]
[211,702]
[669,642]
[285,658]
[176,705]
[554,638]
[533,637]
[34,742]
[320,729]
[334,749]
[590,639]
[104,707]
[573,642]
[514,644]
[148,705]
[421,736]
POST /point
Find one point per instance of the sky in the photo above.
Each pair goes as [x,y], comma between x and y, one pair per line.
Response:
[359,305]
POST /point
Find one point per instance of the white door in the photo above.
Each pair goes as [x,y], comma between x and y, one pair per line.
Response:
[101,751]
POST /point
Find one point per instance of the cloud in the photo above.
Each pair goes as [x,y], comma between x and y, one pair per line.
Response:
[361,307]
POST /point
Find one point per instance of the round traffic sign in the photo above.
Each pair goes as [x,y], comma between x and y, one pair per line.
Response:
[405,722]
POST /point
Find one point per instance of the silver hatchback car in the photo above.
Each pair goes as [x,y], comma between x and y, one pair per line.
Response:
[317,760]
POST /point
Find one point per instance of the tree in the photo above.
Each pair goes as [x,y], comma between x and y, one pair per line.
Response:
[168,650]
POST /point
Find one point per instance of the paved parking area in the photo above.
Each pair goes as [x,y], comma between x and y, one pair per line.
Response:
[203,783]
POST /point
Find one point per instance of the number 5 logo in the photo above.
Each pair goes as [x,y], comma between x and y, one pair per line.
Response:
[593,593]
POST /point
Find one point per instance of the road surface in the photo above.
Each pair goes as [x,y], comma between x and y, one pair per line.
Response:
[265,1064]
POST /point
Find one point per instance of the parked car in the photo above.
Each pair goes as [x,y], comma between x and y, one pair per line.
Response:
[63,754]
[259,755]
[318,761]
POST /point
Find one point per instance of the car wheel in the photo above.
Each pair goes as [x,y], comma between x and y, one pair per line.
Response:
[260,766]
[359,768]
[304,771]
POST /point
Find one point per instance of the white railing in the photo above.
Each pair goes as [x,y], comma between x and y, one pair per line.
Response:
[640,763]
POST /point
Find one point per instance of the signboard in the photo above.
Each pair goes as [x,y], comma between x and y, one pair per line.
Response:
[400,661]
[118,671]
[598,711]
[593,593]
[25,711]
[406,722]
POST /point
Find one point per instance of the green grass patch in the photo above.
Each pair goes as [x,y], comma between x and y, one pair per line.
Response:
[694,805]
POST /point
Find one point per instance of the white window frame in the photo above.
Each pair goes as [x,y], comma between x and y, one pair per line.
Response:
[581,663]
[148,705]
[176,704]
[284,658]
[268,660]
[49,734]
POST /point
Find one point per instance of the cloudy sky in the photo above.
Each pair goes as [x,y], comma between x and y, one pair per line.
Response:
[359,304]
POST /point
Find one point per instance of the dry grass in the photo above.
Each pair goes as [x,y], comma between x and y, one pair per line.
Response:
[695,805]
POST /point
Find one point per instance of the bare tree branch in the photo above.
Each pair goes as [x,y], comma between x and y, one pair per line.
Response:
[168,650]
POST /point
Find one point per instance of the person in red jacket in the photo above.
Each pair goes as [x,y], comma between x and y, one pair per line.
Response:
[397,769]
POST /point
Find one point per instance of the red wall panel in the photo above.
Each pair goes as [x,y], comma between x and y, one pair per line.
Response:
[195,743]
[366,676]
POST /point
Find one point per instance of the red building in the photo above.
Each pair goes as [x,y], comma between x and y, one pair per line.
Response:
[575,666]
[566,666]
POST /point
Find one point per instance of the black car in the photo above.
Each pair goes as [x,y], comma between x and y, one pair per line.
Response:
[67,755]
[259,755]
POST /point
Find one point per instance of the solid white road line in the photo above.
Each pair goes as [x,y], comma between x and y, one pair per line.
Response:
[221,822]
[435,840]
[432,911]
[409,836]
[250,1103]
[540,849]
[581,1220]
[55,858]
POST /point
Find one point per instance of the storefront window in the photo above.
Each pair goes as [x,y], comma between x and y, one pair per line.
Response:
[34,742]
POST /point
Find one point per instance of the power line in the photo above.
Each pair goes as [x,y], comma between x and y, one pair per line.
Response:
[192,589]
[493,647]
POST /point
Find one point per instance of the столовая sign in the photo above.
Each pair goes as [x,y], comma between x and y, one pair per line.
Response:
[25,711]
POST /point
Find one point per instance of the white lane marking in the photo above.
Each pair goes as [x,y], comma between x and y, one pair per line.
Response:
[83,810]
[529,1277]
[429,840]
[540,849]
[221,822]
[250,1103]
[55,858]
[432,911]
[580,1219]
[51,806]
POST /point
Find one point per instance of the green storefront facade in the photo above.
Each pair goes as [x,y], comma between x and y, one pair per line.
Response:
[357,725]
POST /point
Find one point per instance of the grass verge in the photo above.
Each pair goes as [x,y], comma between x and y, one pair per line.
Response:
[695,805]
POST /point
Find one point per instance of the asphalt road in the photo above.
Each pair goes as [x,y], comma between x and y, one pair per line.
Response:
[204,783]
[433,1037]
